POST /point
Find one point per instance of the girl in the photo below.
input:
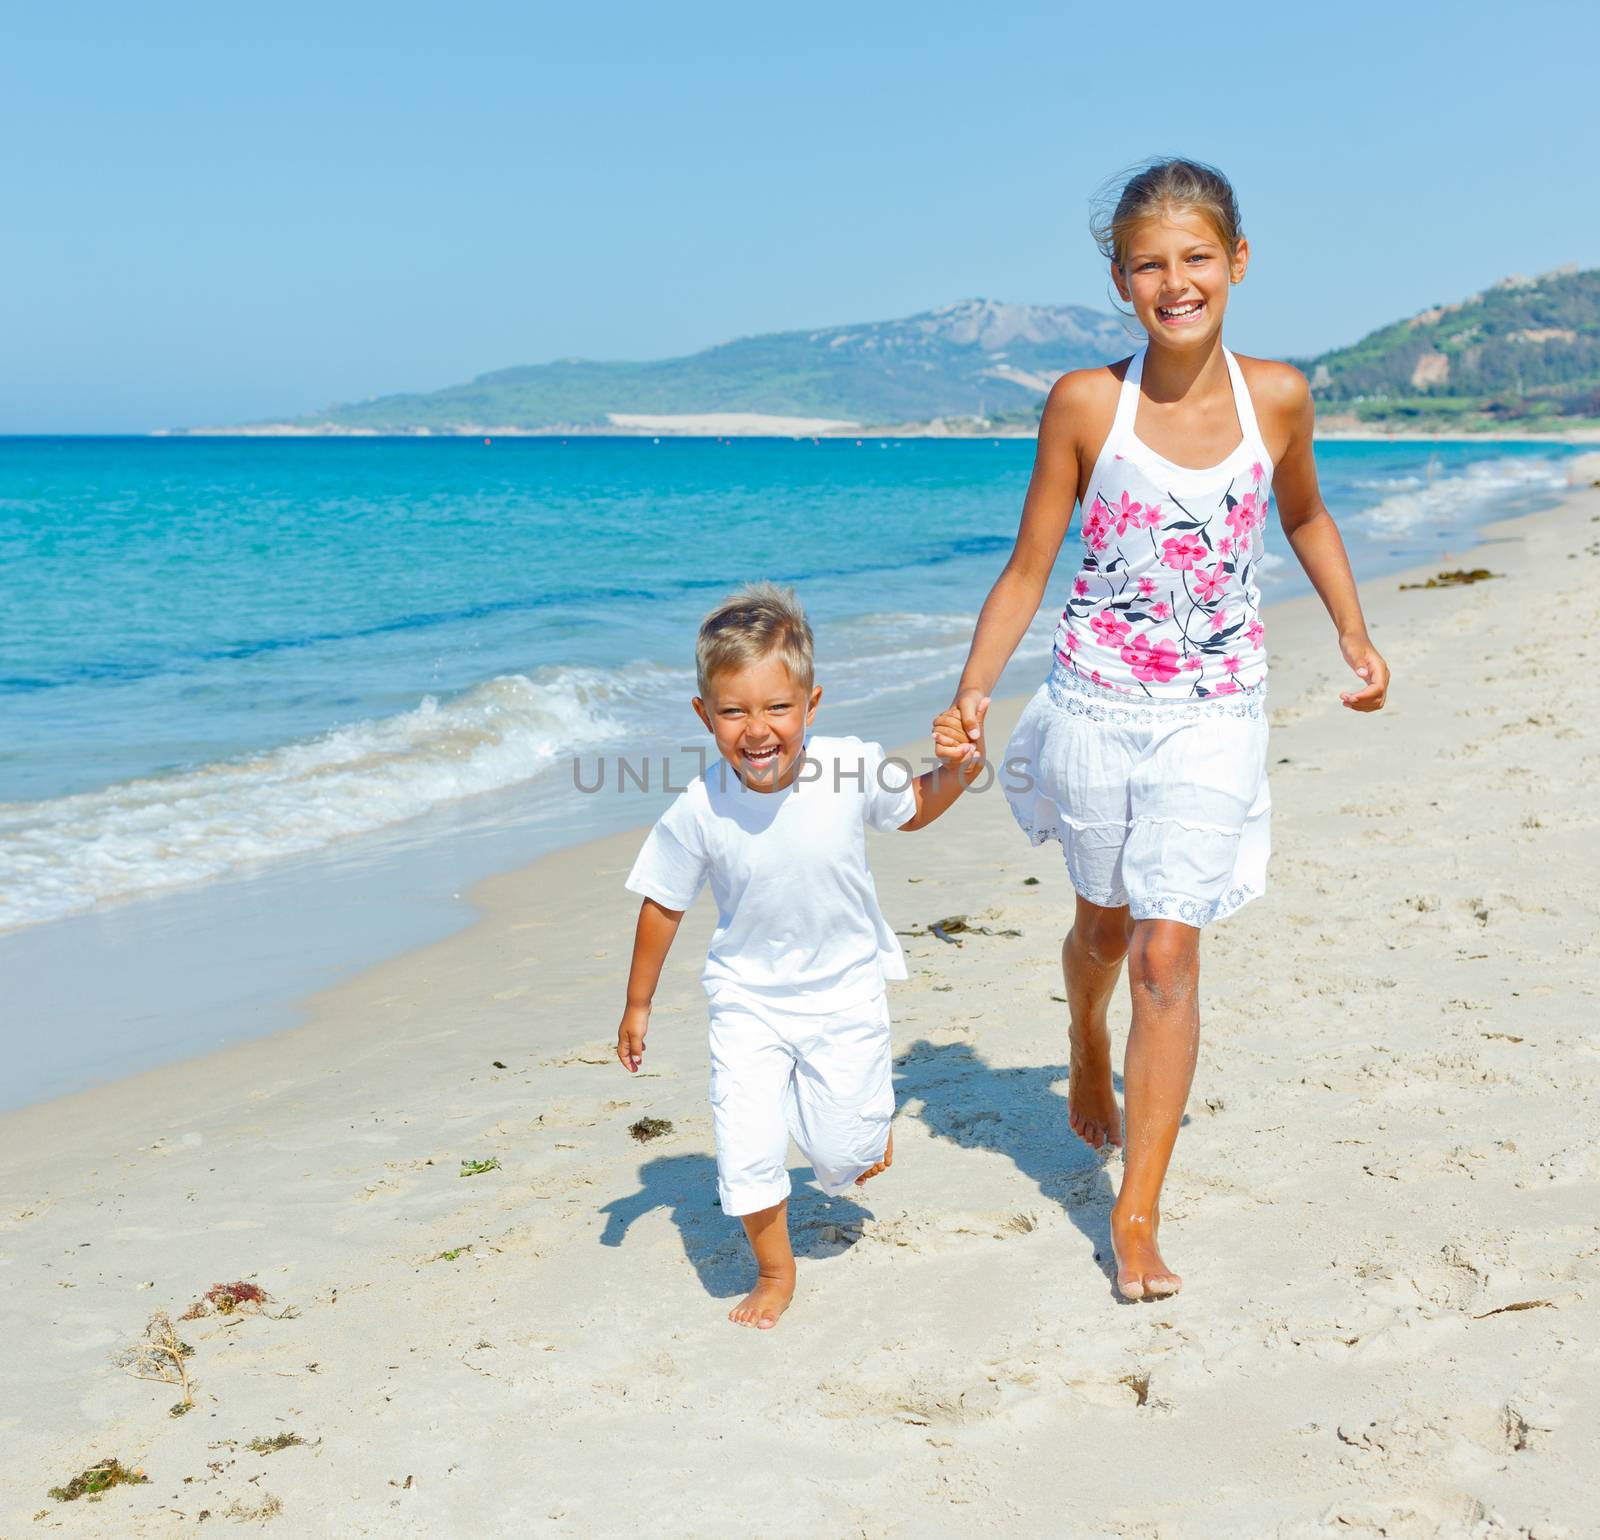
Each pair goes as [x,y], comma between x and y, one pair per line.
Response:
[1146,746]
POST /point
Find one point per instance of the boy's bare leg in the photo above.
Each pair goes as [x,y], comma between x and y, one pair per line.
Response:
[1163,1043]
[882,1165]
[1091,962]
[768,1230]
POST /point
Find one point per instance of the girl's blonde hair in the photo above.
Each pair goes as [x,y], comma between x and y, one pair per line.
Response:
[760,621]
[1148,191]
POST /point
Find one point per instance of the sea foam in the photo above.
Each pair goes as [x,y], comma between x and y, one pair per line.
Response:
[1472,494]
[68,854]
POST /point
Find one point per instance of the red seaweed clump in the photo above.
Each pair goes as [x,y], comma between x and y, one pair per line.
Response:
[225,1298]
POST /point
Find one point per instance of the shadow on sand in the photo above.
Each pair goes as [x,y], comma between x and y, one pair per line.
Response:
[686,1186]
[1020,1113]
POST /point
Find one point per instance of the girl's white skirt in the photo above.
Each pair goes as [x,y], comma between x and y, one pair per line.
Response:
[1159,805]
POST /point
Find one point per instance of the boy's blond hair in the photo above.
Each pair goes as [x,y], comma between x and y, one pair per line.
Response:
[760,621]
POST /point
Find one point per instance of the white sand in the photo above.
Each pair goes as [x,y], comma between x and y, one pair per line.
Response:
[1392,1140]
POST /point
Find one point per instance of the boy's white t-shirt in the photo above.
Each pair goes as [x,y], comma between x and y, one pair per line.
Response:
[798,922]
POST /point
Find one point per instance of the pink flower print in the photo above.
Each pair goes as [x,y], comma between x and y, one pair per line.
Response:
[1256,473]
[1095,528]
[1158,663]
[1095,676]
[1152,516]
[1147,586]
[1071,641]
[1125,513]
[1110,628]
[1225,546]
[1227,687]
[1242,516]
[1255,631]
[1191,663]
[1219,620]
[1080,585]
[1182,553]
[1209,584]
[1231,663]
[1160,611]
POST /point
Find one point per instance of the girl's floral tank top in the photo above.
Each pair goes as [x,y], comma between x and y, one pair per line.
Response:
[1167,601]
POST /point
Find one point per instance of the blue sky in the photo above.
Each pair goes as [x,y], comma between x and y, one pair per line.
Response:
[217,214]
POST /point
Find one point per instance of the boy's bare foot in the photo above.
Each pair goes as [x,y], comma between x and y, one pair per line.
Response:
[883,1165]
[762,1306]
[1091,1102]
[1141,1274]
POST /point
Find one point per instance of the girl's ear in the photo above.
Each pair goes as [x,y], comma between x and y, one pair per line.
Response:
[816,700]
[1118,280]
[1241,260]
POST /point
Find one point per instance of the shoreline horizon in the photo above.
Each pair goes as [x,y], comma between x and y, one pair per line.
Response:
[1572,437]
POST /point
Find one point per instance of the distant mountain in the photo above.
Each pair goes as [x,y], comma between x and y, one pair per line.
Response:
[1526,351]
[976,358]
[1528,348]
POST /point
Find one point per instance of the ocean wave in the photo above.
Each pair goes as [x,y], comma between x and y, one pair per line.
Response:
[66,855]
[1471,494]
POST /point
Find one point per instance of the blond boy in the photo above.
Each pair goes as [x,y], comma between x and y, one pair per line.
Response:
[797,967]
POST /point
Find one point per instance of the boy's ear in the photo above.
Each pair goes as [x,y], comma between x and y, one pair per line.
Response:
[816,700]
[700,711]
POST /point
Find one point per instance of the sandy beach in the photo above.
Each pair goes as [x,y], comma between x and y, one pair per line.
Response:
[1385,1203]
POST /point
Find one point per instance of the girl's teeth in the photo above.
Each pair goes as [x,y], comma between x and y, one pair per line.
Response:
[1179,310]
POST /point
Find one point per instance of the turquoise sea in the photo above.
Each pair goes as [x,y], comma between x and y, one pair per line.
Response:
[225,661]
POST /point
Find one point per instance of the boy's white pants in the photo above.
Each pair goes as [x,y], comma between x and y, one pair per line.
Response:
[823,1080]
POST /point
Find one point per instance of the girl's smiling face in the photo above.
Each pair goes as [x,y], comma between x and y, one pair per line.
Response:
[1176,275]
[759,716]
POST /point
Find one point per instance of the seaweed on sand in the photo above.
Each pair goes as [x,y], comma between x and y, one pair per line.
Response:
[98,1478]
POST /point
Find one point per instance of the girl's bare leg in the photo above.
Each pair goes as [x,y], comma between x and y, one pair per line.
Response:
[1164,977]
[768,1230]
[1091,962]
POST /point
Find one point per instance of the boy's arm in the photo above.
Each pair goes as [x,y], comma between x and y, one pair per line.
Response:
[652,939]
[961,761]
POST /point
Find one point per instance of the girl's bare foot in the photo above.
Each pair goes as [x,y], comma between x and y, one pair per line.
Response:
[762,1306]
[1091,1101]
[1141,1274]
[883,1165]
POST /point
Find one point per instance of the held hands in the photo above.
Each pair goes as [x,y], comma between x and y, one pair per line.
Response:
[958,734]
[630,1037]
[1364,658]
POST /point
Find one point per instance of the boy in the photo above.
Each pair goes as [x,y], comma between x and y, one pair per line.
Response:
[797,967]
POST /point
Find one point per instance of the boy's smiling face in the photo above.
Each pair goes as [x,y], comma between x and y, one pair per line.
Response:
[759,716]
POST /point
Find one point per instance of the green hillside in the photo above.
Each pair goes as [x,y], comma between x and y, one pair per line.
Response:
[978,358]
[1526,351]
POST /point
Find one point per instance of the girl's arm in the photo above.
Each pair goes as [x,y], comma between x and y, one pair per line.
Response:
[1046,512]
[1316,542]
[651,941]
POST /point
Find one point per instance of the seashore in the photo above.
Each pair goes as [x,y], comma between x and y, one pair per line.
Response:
[1383,1202]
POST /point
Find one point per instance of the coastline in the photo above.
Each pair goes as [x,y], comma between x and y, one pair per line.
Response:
[953,429]
[1340,1096]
